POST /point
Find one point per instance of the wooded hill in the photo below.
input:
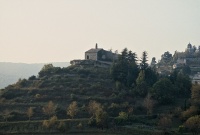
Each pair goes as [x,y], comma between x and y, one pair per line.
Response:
[130,96]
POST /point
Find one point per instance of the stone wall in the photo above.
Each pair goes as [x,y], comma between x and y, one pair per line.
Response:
[91,56]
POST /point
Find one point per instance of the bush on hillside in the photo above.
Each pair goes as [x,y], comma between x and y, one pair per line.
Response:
[193,124]
[193,110]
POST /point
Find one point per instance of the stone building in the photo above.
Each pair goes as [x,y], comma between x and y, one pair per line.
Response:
[192,49]
[99,54]
[97,57]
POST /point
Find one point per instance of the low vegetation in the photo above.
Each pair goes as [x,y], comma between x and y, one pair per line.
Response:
[125,98]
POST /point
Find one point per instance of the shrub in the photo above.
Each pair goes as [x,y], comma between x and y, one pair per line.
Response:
[114,105]
[32,77]
[80,126]
[50,123]
[92,122]
[61,126]
[165,122]
[123,115]
[149,104]
[177,112]
[121,119]
[22,83]
[181,129]
[45,124]
[72,109]
[193,124]
[193,110]
[49,109]
[30,112]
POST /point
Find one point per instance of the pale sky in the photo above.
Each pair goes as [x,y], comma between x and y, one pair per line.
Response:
[35,31]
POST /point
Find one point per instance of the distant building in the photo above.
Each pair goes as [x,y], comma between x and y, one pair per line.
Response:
[196,78]
[192,49]
[97,57]
[179,63]
[100,54]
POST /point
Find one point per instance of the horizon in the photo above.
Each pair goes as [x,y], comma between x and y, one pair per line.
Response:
[49,30]
[35,63]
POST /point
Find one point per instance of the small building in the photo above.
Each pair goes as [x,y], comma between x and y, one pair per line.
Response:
[196,78]
[100,54]
[97,57]
[180,63]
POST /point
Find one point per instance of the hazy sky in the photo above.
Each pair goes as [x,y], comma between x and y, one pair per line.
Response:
[34,31]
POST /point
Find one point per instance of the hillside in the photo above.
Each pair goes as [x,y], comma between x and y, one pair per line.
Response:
[61,87]
[11,72]
[117,105]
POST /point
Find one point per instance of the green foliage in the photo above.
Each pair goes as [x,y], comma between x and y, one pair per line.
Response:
[186,70]
[123,115]
[119,72]
[163,91]
[49,69]
[149,76]
[125,69]
[183,85]
[141,89]
[141,77]
[90,83]
[22,83]
[144,64]
[146,78]
[181,129]
[173,76]
[37,95]
[32,77]
[118,85]
[12,93]
[122,118]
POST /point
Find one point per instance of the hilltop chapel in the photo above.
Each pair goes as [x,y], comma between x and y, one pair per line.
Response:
[97,56]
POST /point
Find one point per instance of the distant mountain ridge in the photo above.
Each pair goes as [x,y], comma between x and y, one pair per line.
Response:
[11,72]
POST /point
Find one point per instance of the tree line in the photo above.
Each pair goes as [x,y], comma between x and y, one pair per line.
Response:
[137,77]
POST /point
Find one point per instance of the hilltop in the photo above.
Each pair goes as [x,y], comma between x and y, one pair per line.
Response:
[87,95]
[62,86]
[11,72]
